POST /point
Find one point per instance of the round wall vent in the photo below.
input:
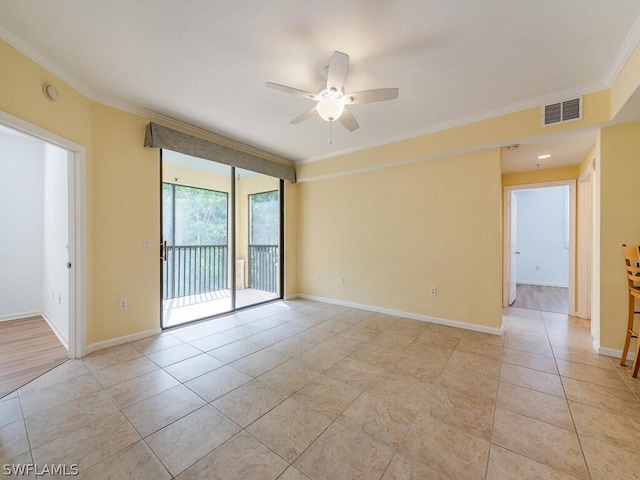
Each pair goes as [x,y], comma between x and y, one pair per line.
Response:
[50,92]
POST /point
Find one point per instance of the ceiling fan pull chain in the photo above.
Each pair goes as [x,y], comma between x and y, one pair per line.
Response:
[331,132]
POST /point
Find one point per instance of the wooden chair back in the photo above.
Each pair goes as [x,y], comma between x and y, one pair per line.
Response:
[632,260]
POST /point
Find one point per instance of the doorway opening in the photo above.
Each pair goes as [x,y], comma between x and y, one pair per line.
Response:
[539,247]
[221,239]
[42,280]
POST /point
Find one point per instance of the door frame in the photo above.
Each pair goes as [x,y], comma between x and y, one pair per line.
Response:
[77,227]
[512,286]
[584,245]
[506,274]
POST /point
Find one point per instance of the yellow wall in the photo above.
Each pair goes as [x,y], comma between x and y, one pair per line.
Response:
[123,207]
[125,212]
[540,176]
[619,223]
[486,133]
[290,239]
[122,194]
[21,95]
[596,267]
[196,178]
[394,233]
[431,219]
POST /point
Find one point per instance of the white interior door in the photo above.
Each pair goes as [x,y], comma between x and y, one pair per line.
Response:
[513,248]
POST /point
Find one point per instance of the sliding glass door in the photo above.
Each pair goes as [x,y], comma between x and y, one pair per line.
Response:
[258,244]
[221,239]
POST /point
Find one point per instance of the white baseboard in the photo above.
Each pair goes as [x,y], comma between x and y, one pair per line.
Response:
[413,316]
[612,352]
[292,296]
[120,340]
[16,316]
[63,341]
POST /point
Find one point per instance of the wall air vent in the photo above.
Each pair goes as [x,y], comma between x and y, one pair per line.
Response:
[561,112]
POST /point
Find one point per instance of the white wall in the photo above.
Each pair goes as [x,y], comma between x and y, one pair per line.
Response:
[21,229]
[55,278]
[542,236]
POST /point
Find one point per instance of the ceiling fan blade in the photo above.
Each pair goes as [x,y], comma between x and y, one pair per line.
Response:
[349,121]
[337,70]
[291,90]
[304,116]
[370,96]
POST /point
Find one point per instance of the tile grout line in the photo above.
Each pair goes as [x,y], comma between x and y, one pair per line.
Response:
[333,336]
[575,427]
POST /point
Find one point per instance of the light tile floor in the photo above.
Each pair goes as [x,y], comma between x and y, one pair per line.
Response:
[299,389]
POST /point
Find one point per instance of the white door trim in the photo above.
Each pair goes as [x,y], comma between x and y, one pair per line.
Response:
[77,228]
[584,252]
[572,237]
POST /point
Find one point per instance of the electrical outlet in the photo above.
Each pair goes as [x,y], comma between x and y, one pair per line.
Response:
[341,280]
[123,304]
[537,267]
[434,291]
[146,245]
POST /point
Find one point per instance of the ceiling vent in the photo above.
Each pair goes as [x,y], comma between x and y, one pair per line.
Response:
[561,112]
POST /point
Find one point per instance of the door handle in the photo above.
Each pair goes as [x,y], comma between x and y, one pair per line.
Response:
[164,251]
[517,253]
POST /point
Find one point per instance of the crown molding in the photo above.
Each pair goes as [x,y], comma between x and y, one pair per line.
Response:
[69,79]
[629,45]
[496,112]
[45,63]
[194,130]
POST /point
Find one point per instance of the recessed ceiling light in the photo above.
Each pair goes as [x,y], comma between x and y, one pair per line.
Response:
[542,157]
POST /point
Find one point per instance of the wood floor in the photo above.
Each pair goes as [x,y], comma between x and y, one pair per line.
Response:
[545,299]
[28,348]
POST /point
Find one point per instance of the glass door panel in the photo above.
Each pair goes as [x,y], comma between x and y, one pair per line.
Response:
[258,246]
[196,268]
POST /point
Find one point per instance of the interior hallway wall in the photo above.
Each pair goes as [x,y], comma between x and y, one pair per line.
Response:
[21,229]
[543,236]
[55,277]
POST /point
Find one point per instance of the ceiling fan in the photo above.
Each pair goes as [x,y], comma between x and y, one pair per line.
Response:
[332,101]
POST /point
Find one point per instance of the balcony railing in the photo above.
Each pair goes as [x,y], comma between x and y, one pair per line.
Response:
[263,267]
[198,269]
[194,270]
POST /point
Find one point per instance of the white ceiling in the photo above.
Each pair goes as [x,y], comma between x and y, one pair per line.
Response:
[565,148]
[205,62]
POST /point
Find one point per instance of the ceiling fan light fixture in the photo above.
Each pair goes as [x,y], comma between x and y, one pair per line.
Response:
[332,100]
[330,108]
